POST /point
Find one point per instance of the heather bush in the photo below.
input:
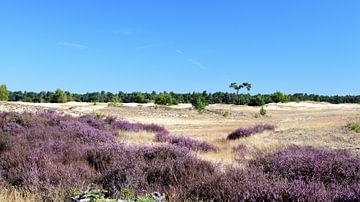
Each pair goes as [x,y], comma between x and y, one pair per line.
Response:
[240,150]
[245,132]
[135,127]
[47,152]
[50,151]
[185,142]
[310,164]
[314,174]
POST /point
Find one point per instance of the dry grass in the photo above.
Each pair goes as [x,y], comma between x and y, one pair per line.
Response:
[137,138]
[304,124]
[17,195]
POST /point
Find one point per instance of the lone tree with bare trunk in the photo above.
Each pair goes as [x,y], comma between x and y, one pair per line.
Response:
[237,87]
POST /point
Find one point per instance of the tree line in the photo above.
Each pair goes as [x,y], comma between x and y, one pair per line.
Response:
[169,98]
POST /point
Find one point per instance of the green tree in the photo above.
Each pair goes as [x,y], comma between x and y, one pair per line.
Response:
[279,97]
[4,93]
[198,102]
[137,97]
[164,99]
[257,101]
[59,96]
[237,88]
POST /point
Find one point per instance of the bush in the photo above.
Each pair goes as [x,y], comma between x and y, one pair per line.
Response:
[309,164]
[245,132]
[257,101]
[164,99]
[355,127]
[198,102]
[279,97]
[59,96]
[138,97]
[185,142]
[262,111]
[240,150]
[46,152]
[4,93]
[226,114]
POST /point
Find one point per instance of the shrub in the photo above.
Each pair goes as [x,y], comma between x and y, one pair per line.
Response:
[240,151]
[185,142]
[4,93]
[99,116]
[262,111]
[135,127]
[279,97]
[46,152]
[355,127]
[138,97]
[226,114]
[59,96]
[257,101]
[164,99]
[309,164]
[198,102]
[245,132]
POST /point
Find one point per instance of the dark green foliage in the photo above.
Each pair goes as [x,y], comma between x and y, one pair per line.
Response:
[164,99]
[262,111]
[198,102]
[210,98]
[59,96]
[257,101]
[279,97]
[4,93]
[237,88]
[138,97]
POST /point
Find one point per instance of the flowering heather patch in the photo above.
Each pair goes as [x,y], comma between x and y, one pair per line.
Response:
[185,142]
[309,164]
[245,132]
[240,150]
[135,127]
[334,172]
[47,152]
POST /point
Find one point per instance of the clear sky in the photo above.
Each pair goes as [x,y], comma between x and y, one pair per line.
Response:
[310,46]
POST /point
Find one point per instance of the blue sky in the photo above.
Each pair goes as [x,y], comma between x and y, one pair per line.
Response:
[310,46]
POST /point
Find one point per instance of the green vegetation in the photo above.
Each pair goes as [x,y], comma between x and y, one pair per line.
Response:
[99,116]
[4,93]
[279,97]
[198,102]
[262,111]
[257,100]
[164,99]
[59,96]
[226,114]
[237,88]
[139,97]
[355,127]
